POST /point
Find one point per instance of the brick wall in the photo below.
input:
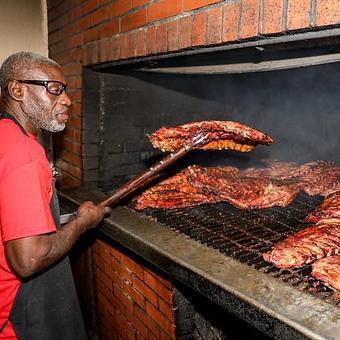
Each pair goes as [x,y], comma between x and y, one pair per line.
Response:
[132,302]
[84,32]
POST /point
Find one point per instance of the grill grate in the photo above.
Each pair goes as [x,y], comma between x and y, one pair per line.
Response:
[245,234]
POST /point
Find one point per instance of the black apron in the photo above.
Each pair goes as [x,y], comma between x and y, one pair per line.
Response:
[46,305]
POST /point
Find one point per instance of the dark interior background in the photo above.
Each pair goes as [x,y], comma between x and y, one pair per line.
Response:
[298,107]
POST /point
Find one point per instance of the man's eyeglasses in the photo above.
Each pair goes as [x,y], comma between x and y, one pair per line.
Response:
[52,86]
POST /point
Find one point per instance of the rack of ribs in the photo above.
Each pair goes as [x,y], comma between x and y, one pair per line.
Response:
[223,135]
[174,192]
[329,208]
[328,271]
[306,246]
[242,191]
[276,184]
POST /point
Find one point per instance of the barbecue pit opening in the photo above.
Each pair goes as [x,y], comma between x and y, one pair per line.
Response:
[297,106]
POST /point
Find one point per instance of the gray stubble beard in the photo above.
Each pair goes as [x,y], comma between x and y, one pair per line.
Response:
[40,120]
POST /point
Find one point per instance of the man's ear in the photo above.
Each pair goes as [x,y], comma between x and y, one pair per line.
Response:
[15,90]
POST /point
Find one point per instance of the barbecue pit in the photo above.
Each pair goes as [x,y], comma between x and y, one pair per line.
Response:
[295,101]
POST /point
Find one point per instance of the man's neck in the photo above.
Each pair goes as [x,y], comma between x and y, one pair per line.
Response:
[21,118]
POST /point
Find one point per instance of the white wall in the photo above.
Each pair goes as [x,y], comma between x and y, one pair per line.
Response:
[23,27]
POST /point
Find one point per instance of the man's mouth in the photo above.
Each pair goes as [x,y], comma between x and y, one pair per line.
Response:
[62,117]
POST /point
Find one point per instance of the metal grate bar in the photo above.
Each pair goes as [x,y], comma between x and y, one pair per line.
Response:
[245,234]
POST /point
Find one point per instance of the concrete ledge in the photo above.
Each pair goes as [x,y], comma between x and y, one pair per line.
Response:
[276,308]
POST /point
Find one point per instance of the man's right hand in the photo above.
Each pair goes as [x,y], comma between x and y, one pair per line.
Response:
[90,214]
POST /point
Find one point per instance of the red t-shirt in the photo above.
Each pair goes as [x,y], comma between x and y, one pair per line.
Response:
[25,194]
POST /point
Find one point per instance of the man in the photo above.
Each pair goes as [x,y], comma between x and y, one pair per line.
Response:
[37,293]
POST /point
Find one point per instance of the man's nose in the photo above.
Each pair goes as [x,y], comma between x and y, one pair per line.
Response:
[65,99]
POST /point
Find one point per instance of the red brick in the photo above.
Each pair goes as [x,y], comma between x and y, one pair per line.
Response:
[185,32]
[214,26]
[165,336]
[159,318]
[133,266]
[109,29]
[100,15]
[107,293]
[327,12]
[119,7]
[92,53]
[73,68]
[231,17]
[147,321]
[172,29]
[137,3]
[101,2]
[165,282]
[72,134]
[123,46]
[298,14]
[152,337]
[198,37]
[131,44]
[103,305]
[138,325]
[115,48]
[133,20]
[82,24]
[138,298]
[161,35]
[105,52]
[101,276]
[115,275]
[167,310]
[101,248]
[164,9]
[115,253]
[123,301]
[158,287]
[151,40]
[73,146]
[67,180]
[75,95]
[189,5]
[89,6]
[75,41]
[124,327]
[140,42]
[122,271]
[272,16]
[74,82]
[250,18]
[148,293]
[71,158]
[91,34]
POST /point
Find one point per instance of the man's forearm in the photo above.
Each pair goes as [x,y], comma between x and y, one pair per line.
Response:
[30,255]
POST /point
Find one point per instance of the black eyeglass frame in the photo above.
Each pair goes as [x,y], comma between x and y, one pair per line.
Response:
[45,84]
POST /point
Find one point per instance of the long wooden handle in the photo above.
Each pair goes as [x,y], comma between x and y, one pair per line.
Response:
[145,177]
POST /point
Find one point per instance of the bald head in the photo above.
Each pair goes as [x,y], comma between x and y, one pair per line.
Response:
[19,65]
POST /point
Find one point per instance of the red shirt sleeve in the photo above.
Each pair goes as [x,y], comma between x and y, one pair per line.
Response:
[25,196]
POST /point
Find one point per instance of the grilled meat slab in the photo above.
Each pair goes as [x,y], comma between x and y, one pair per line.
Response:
[277,184]
[318,178]
[306,246]
[244,192]
[328,271]
[329,208]
[223,135]
[174,192]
